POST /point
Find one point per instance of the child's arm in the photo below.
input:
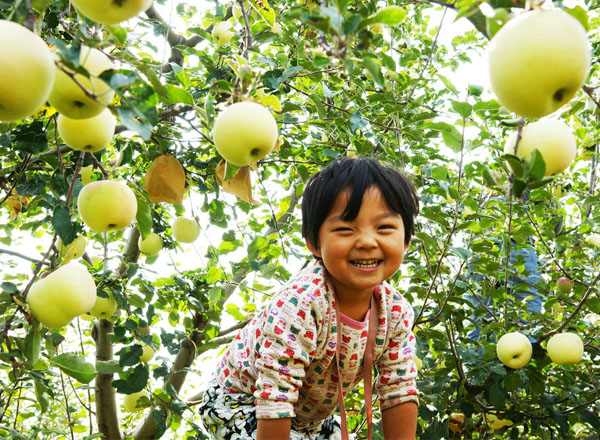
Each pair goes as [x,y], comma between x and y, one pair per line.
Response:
[274,429]
[400,422]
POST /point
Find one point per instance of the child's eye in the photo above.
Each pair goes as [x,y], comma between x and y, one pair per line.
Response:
[342,229]
[387,227]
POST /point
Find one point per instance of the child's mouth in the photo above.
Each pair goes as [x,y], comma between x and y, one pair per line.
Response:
[365,264]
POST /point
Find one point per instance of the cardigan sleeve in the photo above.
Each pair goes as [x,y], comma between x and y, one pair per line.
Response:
[396,381]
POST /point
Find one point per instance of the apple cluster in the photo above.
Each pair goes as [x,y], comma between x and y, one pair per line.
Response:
[537,63]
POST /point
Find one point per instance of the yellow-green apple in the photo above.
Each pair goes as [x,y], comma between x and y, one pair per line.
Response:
[593,240]
[244,133]
[551,137]
[565,348]
[514,350]
[90,134]
[70,99]
[27,71]
[496,423]
[73,250]
[564,285]
[104,308]
[66,293]
[131,402]
[112,11]
[151,245]
[185,229]
[107,205]
[221,33]
[147,352]
[538,61]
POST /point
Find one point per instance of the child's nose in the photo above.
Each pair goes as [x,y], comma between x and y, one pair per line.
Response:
[366,241]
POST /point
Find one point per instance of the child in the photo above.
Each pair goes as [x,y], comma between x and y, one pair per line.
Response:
[279,378]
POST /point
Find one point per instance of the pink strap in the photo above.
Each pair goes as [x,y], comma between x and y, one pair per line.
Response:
[367,366]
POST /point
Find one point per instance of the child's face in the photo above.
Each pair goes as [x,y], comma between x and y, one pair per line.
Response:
[361,253]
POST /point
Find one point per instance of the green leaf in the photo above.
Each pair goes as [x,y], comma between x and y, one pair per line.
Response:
[176,95]
[580,14]
[515,164]
[497,396]
[108,367]
[133,122]
[9,287]
[462,108]
[30,138]
[357,121]
[75,366]
[214,295]
[40,395]
[390,16]
[64,227]
[33,343]
[373,66]
[320,107]
[518,187]
[536,166]
[143,217]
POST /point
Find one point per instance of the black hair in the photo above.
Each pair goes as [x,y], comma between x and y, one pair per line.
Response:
[356,174]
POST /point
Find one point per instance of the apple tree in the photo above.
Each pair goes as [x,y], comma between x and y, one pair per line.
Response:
[190,245]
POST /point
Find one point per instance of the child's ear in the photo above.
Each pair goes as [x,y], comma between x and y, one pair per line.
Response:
[315,251]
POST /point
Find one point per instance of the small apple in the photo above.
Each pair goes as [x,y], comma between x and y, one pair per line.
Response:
[133,401]
[147,352]
[151,245]
[496,423]
[104,308]
[564,285]
[91,134]
[185,229]
[86,174]
[107,205]
[552,138]
[221,33]
[27,71]
[514,350]
[66,293]
[73,250]
[565,348]
[111,12]
[538,61]
[244,133]
[67,96]
[593,240]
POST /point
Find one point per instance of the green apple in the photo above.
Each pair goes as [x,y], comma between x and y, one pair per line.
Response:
[151,245]
[538,61]
[66,293]
[552,138]
[244,133]
[91,134]
[104,308]
[67,96]
[86,174]
[185,229]
[514,350]
[73,250]
[133,401]
[565,348]
[27,72]
[147,352]
[221,33]
[111,12]
[496,423]
[593,240]
[107,205]
[564,285]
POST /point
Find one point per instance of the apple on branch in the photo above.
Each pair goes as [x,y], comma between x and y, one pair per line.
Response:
[221,33]
[135,402]
[593,240]
[70,99]
[147,352]
[565,348]
[514,350]
[151,245]
[90,134]
[538,61]
[244,133]
[73,250]
[66,293]
[112,11]
[104,307]
[27,72]
[552,138]
[185,229]
[107,205]
[564,285]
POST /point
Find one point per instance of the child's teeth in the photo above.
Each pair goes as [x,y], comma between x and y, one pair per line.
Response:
[366,263]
